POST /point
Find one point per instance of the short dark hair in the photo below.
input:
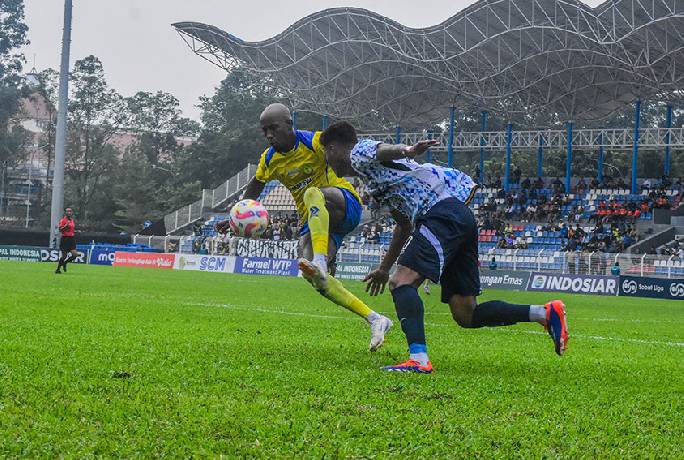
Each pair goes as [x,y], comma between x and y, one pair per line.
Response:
[341,131]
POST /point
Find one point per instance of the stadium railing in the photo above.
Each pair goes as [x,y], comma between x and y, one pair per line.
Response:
[579,263]
[211,199]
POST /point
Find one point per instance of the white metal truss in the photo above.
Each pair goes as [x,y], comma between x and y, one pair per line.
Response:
[585,139]
[558,57]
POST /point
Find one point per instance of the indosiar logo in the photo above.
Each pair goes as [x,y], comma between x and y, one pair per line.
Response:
[677,289]
[629,286]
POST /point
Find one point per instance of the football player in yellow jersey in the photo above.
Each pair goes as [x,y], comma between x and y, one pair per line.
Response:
[329,207]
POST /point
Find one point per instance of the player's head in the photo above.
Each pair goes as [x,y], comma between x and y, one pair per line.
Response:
[68,212]
[276,124]
[338,140]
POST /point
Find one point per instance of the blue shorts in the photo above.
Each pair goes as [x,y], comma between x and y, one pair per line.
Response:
[443,249]
[352,218]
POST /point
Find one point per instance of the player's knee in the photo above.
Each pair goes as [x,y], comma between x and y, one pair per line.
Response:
[462,309]
[404,277]
[313,194]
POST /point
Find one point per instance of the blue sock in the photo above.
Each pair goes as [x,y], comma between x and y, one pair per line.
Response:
[499,313]
[410,312]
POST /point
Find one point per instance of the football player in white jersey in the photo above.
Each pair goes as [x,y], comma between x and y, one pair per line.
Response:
[435,238]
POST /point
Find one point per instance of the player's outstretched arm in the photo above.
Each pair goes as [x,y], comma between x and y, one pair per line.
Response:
[391,152]
[377,279]
[253,189]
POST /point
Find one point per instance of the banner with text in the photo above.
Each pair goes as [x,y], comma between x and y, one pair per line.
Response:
[263,266]
[53,255]
[284,249]
[352,270]
[203,263]
[20,253]
[101,257]
[144,259]
[658,288]
[576,284]
[504,279]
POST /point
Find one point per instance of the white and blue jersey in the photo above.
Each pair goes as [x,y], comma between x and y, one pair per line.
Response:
[407,186]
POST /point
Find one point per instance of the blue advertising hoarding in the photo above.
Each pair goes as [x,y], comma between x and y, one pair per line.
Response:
[264,266]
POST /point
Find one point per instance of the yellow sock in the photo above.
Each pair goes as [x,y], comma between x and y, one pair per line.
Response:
[319,220]
[338,294]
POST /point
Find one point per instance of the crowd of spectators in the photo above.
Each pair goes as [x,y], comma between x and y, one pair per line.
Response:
[612,220]
[674,248]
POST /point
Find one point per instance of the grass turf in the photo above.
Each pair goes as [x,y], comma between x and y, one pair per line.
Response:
[136,362]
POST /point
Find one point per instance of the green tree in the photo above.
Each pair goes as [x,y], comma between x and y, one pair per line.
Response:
[96,113]
[48,88]
[156,119]
[230,137]
[12,37]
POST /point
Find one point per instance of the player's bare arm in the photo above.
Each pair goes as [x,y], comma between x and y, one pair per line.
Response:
[378,278]
[391,152]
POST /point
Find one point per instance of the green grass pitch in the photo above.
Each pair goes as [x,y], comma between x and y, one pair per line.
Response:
[121,362]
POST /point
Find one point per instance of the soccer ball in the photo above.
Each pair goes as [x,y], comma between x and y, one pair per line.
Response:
[249,219]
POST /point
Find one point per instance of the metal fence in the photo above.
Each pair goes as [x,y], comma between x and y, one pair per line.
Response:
[586,263]
[211,199]
[581,263]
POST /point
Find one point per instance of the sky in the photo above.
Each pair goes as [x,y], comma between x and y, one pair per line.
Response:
[140,51]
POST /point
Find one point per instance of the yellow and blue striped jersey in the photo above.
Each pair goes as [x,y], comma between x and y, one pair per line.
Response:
[302,167]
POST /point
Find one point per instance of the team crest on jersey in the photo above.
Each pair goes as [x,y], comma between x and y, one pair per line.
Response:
[314,211]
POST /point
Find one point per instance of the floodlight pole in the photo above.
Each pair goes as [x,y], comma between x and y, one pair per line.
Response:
[483,127]
[668,125]
[60,139]
[450,141]
[635,147]
[600,159]
[540,156]
[397,137]
[568,161]
[507,166]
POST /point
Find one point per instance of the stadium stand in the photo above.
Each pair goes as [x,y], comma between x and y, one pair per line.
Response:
[532,227]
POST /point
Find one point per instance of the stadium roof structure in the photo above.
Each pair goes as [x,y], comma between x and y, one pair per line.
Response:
[546,56]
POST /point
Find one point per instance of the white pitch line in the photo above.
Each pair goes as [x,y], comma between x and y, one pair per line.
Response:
[508,330]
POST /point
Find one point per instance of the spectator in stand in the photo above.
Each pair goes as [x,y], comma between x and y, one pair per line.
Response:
[661,202]
[646,185]
[492,263]
[615,269]
[678,185]
[594,184]
[557,185]
[525,184]
[517,174]
[497,183]
[539,183]
[581,186]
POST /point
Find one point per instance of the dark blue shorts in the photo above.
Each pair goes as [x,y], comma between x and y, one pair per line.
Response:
[352,218]
[443,248]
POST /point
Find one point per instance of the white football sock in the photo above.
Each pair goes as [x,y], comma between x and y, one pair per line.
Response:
[538,314]
[321,261]
[421,357]
[372,316]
